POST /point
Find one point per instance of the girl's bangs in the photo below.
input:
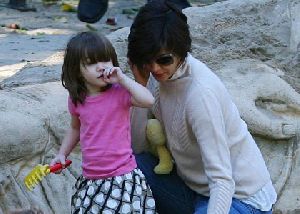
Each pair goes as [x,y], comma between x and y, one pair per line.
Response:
[96,52]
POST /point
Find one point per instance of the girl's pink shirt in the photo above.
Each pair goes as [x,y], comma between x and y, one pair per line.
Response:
[105,138]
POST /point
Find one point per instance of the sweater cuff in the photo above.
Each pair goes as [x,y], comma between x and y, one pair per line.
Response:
[220,198]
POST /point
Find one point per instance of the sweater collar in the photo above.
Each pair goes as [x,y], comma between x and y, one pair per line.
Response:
[183,70]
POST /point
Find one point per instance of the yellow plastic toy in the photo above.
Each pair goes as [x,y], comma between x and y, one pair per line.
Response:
[40,171]
[157,141]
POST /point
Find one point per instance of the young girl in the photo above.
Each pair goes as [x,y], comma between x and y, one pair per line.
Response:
[100,97]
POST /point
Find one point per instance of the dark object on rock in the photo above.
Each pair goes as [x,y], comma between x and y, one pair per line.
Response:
[181,3]
[111,21]
[20,5]
[91,11]
[13,26]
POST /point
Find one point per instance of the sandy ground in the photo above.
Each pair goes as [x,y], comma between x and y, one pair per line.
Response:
[51,16]
[47,30]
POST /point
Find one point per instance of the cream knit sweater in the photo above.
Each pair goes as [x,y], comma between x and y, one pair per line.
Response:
[214,152]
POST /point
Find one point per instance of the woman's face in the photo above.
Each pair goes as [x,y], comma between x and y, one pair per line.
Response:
[163,66]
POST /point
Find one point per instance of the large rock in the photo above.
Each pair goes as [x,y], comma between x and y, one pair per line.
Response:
[253,46]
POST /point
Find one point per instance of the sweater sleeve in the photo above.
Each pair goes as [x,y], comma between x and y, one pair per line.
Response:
[139,119]
[205,117]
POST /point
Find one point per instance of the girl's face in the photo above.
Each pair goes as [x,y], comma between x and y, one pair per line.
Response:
[163,66]
[92,74]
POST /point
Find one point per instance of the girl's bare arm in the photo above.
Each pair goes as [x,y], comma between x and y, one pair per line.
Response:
[141,96]
[69,142]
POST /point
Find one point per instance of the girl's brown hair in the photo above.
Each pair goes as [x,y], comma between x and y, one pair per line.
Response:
[83,49]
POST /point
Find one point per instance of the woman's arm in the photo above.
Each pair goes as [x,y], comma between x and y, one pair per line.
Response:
[69,142]
[205,117]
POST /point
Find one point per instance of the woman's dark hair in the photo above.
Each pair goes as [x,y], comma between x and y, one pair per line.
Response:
[83,49]
[159,25]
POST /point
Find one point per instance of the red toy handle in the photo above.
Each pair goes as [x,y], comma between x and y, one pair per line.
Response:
[59,166]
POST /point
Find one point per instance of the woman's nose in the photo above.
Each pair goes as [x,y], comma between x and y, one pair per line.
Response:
[155,68]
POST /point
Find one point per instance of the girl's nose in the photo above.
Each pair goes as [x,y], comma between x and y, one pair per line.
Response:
[99,67]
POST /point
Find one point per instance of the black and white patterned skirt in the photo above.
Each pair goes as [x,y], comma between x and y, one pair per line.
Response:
[128,193]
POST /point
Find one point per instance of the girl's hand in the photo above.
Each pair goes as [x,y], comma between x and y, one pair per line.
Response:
[113,75]
[58,159]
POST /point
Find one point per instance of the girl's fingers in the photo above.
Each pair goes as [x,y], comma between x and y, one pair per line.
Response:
[62,161]
[112,75]
[54,161]
[58,159]
[107,72]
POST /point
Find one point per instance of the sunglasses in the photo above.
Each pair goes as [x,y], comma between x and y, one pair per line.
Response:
[164,59]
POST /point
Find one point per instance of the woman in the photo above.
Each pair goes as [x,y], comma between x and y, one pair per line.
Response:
[219,168]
